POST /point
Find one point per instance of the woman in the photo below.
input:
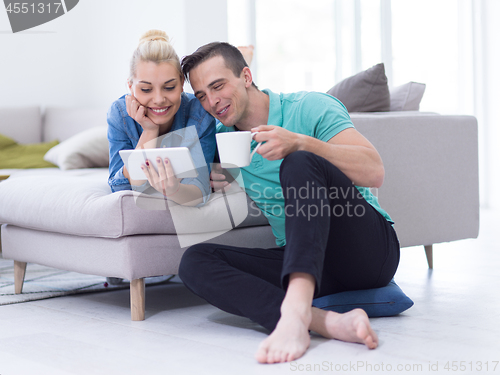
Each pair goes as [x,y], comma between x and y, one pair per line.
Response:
[157,113]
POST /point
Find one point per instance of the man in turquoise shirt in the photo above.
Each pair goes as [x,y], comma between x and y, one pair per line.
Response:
[311,178]
[294,113]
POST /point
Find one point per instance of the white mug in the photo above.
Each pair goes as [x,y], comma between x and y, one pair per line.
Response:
[234,148]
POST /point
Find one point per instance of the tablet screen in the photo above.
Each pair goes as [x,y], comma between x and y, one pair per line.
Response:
[180,158]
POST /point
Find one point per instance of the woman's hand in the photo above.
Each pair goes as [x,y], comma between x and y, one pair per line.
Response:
[138,112]
[164,180]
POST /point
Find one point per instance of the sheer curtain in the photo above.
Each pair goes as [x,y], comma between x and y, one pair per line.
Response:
[312,45]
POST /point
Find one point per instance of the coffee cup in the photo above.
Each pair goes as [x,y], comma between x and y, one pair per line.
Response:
[234,148]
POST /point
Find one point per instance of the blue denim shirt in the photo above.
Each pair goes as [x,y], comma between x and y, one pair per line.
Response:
[124,133]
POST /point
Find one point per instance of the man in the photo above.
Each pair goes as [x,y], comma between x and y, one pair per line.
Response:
[332,235]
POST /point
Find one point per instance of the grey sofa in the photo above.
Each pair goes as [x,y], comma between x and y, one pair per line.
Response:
[70,219]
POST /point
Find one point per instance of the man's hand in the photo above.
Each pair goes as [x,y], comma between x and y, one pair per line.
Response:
[218,179]
[164,180]
[138,112]
[279,142]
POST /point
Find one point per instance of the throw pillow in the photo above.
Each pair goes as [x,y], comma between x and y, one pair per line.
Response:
[364,92]
[88,149]
[407,97]
[19,156]
[6,142]
[386,301]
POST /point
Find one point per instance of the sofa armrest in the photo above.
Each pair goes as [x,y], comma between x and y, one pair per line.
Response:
[431,187]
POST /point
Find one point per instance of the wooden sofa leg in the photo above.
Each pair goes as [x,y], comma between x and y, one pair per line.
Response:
[19,272]
[428,254]
[138,299]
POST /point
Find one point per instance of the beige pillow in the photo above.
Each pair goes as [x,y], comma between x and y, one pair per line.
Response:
[88,149]
[407,97]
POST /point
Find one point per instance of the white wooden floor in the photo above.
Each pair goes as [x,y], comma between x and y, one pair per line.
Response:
[455,322]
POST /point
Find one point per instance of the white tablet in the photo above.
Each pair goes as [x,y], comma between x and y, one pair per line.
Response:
[180,157]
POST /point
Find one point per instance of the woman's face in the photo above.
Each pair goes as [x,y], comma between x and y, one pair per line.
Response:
[158,87]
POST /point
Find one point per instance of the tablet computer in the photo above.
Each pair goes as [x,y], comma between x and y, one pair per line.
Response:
[180,157]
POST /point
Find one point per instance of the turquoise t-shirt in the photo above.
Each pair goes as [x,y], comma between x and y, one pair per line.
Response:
[311,113]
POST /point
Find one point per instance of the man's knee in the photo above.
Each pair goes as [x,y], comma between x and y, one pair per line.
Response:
[296,161]
[298,158]
[304,162]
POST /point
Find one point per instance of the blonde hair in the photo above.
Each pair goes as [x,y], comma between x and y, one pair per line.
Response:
[154,46]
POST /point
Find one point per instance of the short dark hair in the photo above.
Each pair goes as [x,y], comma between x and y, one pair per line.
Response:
[232,56]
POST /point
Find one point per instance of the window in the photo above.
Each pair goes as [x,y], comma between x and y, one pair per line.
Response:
[312,45]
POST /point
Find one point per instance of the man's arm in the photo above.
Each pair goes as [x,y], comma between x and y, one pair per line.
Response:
[348,150]
[352,153]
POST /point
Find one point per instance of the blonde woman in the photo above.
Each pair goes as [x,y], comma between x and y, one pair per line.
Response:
[158,113]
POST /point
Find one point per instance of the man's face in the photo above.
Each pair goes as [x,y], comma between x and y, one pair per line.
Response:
[220,92]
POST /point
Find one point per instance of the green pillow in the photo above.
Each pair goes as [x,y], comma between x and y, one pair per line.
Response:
[16,156]
[6,142]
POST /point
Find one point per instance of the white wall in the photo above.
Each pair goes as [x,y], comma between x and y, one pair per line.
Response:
[82,58]
[491,135]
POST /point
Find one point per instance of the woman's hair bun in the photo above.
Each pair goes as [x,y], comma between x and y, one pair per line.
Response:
[154,46]
[152,35]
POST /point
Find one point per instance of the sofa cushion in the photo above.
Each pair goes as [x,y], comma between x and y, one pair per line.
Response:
[386,301]
[87,149]
[80,202]
[366,91]
[407,97]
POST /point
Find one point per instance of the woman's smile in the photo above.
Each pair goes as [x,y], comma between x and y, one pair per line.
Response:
[159,111]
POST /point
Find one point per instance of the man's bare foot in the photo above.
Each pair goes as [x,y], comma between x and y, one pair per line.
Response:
[289,340]
[352,326]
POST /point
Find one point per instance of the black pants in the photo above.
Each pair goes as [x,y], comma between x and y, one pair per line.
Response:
[337,237]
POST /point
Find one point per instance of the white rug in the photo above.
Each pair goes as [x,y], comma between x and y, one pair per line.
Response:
[44,282]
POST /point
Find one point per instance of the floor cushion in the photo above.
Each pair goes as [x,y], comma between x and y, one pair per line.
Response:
[386,301]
